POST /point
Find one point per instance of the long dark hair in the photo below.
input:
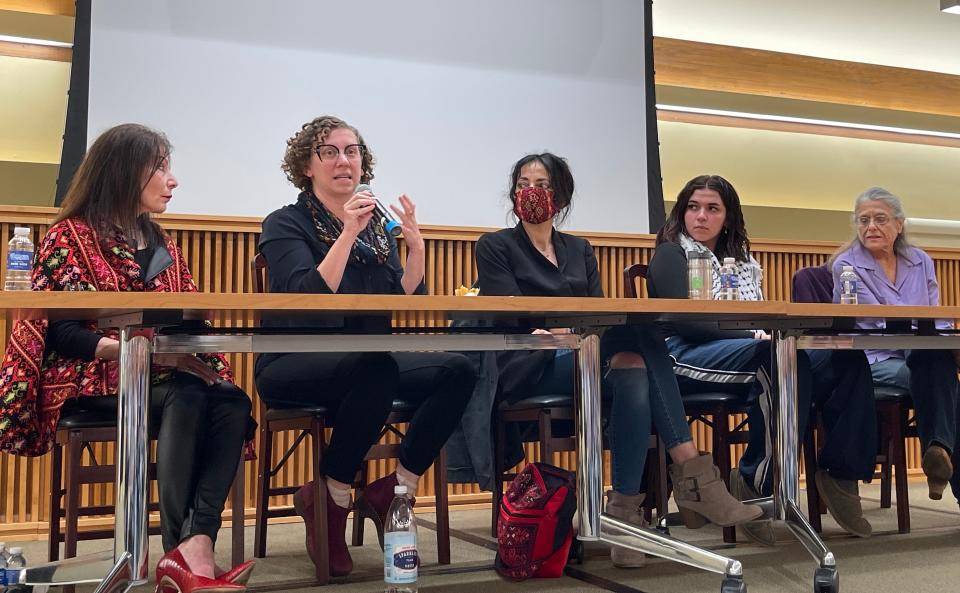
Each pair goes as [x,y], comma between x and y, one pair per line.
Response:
[561,181]
[733,241]
[105,191]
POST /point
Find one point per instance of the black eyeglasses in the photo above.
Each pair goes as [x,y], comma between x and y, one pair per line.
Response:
[329,152]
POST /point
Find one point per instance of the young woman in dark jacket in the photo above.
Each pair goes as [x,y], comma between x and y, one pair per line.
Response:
[535,259]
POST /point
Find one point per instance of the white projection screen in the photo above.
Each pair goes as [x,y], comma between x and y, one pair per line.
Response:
[448,94]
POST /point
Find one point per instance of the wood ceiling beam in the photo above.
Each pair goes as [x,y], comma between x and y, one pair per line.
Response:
[714,67]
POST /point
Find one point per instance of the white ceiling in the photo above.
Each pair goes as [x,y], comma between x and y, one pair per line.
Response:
[904,33]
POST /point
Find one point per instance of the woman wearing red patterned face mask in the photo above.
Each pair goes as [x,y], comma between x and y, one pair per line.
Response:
[535,259]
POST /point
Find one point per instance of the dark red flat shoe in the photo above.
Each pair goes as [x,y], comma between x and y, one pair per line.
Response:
[375,501]
[174,575]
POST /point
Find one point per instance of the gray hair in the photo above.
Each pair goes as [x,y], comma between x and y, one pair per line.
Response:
[901,246]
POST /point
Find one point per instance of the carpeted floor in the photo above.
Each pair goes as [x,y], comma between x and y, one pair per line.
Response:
[919,562]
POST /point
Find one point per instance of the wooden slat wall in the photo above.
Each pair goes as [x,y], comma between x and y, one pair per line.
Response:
[219,251]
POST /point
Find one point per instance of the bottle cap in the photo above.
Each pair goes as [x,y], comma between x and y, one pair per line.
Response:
[399,489]
[21,230]
[729,260]
[15,551]
[847,268]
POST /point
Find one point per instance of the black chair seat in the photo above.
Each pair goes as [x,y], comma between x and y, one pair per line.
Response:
[886,393]
[538,401]
[284,413]
[714,398]
[99,411]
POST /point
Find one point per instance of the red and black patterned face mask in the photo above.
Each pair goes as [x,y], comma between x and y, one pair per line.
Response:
[534,204]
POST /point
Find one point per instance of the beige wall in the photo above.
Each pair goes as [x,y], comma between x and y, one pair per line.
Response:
[794,224]
[791,170]
[32,184]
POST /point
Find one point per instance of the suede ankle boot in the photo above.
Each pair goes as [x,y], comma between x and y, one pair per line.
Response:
[702,496]
[340,562]
[627,509]
[375,501]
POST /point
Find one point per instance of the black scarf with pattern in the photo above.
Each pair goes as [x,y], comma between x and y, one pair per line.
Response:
[372,243]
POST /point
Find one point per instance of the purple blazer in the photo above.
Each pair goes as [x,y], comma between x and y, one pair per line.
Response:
[916,284]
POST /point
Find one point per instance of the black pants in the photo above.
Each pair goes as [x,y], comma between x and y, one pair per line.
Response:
[362,387]
[202,429]
[200,441]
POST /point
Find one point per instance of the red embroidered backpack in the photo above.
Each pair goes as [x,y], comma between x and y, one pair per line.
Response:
[535,527]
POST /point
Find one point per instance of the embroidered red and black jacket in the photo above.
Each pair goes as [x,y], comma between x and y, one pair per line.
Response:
[34,383]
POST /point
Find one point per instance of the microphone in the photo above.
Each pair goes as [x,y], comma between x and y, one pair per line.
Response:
[389,222]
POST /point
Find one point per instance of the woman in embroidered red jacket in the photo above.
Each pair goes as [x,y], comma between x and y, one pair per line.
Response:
[105,240]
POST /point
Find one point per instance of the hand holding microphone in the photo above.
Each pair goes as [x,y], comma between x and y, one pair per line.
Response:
[389,223]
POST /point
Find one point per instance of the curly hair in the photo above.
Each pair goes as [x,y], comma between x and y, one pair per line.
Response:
[302,144]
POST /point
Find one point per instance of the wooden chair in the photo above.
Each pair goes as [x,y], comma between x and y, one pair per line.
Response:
[713,409]
[312,421]
[894,422]
[78,430]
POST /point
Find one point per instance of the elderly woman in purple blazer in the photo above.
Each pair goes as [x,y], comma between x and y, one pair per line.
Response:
[893,272]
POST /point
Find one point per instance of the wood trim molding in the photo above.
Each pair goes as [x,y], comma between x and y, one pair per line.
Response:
[36,52]
[802,128]
[51,7]
[714,67]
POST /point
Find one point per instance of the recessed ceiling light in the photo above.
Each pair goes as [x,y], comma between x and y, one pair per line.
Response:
[952,6]
[32,41]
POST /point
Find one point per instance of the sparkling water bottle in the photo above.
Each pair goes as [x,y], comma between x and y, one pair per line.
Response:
[699,275]
[19,260]
[729,280]
[848,286]
[400,557]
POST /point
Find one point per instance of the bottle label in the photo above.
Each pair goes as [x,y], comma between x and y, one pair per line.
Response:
[849,287]
[20,261]
[729,281]
[400,558]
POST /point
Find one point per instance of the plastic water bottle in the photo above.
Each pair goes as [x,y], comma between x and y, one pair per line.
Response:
[849,282]
[16,563]
[699,275]
[729,281]
[19,260]
[3,566]
[400,557]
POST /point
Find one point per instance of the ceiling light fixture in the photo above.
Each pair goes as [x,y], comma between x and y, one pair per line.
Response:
[805,120]
[951,6]
[32,41]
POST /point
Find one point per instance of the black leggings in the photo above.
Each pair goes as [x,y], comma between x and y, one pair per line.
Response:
[202,430]
[362,386]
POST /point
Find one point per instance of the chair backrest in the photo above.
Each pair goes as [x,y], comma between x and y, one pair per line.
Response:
[813,285]
[630,275]
[259,268]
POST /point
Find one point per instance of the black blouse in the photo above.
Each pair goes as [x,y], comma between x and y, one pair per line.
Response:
[293,251]
[509,265]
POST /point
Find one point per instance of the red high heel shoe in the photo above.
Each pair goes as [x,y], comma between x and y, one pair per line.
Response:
[239,574]
[375,501]
[174,576]
[341,564]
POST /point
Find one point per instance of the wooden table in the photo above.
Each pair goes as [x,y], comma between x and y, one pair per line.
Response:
[140,315]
